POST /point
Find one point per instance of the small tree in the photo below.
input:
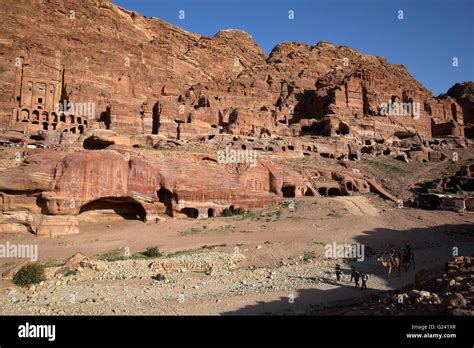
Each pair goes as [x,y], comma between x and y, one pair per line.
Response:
[231,211]
[152,252]
[29,274]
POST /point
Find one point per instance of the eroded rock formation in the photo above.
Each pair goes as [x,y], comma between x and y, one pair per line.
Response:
[145,76]
[92,96]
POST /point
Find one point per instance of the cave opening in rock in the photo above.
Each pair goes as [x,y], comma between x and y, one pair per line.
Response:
[93,143]
[190,212]
[288,191]
[210,212]
[166,197]
[343,129]
[25,114]
[125,207]
[156,111]
[349,186]
[283,121]
[454,112]
[469,132]
[322,191]
[333,191]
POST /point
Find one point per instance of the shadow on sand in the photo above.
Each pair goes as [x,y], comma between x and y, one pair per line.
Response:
[433,246]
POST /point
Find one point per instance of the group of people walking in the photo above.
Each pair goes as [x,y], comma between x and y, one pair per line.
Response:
[356,276]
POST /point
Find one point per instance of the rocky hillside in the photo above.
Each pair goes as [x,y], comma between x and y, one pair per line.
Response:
[464,94]
[147,76]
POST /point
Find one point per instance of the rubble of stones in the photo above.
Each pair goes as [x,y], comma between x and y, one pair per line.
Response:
[78,286]
[443,290]
[454,193]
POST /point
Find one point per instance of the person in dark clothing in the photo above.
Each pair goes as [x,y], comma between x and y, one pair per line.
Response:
[356,279]
[398,254]
[352,272]
[363,278]
[338,272]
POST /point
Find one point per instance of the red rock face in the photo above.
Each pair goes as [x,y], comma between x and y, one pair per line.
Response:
[50,190]
[146,76]
[71,182]
[464,94]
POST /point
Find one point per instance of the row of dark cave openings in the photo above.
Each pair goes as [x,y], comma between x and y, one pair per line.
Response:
[130,209]
[289,191]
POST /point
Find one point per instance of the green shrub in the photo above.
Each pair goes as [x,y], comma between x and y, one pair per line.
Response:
[152,252]
[29,274]
[159,277]
[231,211]
[190,231]
[226,212]
[70,273]
[114,255]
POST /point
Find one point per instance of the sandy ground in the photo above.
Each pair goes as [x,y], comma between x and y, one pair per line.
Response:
[284,269]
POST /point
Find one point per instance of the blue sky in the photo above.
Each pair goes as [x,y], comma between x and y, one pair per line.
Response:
[426,40]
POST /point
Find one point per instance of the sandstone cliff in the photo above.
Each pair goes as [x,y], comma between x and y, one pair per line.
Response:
[143,75]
